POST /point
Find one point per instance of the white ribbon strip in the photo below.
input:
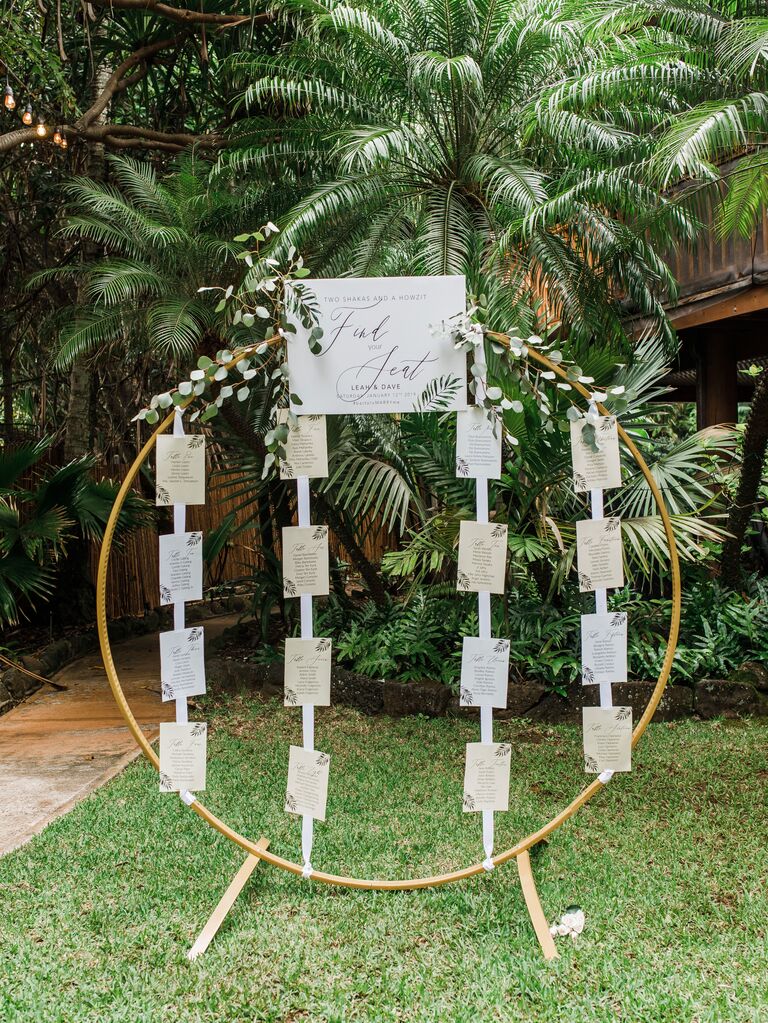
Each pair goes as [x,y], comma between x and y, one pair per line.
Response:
[484,632]
[606,776]
[179,526]
[187,797]
[307,710]
[601,596]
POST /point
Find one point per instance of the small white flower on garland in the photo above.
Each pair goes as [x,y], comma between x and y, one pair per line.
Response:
[571,922]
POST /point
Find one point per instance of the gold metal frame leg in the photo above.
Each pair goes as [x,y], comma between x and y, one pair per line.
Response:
[216,918]
[539,921]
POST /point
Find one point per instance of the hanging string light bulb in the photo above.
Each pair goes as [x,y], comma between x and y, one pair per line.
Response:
[27,115]
[64,142]
[41,129]
[9,100]
[57,137]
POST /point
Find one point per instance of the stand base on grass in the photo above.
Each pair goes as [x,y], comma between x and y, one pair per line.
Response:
[531,897]
[216,918]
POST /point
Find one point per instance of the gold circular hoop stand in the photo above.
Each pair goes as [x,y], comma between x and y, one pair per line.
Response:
[260,850]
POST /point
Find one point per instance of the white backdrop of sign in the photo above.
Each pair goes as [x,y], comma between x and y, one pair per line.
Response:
[381,345]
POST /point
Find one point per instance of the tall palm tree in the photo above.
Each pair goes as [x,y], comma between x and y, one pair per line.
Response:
[158,241]
[510,137]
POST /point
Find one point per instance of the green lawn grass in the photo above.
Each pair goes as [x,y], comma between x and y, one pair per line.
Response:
[669,864]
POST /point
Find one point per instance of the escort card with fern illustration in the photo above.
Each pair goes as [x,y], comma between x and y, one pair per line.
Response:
[183,750]
[306,791]
[599,555]
[484,672]
[486,776]
[180,474]
[182,663]
[381,346]
[306,450]
[307,672]
[595,469]
[478,444]
[305,561]
[607,739]
[482,557]
[181,567]
[604,648]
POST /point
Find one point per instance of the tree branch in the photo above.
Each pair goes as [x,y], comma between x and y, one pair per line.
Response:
[119,136]
[117,81]
[182,14]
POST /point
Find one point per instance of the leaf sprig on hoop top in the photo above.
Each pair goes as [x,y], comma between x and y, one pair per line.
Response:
[524,378]
[261,311]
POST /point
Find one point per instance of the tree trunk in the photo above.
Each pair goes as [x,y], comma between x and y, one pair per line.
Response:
[78,433]
[7,396]
[753,460]
[77,438]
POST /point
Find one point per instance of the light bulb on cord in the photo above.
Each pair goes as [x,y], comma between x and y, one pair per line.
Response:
[64,142]
[9,101]
[57,138]
[27,115]
[41,129]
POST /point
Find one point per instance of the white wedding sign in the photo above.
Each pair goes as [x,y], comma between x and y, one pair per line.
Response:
[383,346]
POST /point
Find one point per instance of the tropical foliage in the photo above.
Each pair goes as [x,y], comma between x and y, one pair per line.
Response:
[43,512]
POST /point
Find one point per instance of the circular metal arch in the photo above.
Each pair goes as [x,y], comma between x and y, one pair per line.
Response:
[377,884]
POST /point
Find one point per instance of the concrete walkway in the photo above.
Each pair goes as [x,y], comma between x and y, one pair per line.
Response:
[57,747]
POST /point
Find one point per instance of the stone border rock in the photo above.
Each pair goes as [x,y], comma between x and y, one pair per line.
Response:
[708,699]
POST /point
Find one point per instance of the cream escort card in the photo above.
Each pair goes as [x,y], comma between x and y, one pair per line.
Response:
[181,567]
[478,444]
[306,450]
[486,776]
[180,474]
[484,672]
[604,648]
[596,470]
[607,739]
[305,561]
[307,789]
[383,348]
[482,557]
[182,663]
[307,672]
[599,554]
[182,756]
